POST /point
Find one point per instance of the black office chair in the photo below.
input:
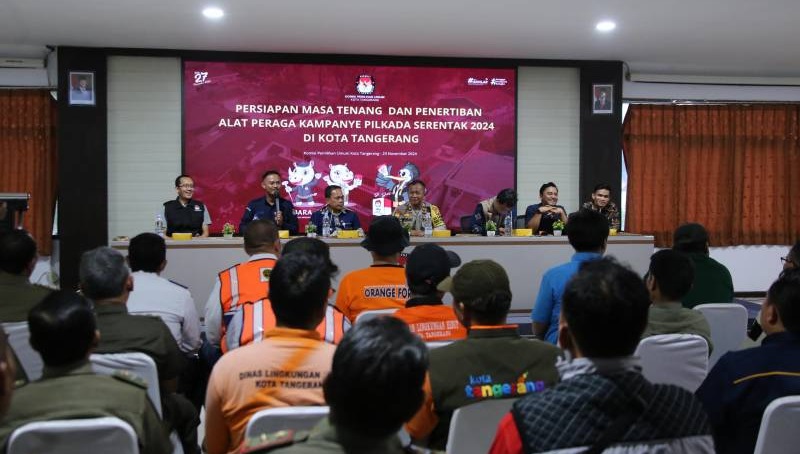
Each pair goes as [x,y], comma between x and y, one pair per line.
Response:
[465,223]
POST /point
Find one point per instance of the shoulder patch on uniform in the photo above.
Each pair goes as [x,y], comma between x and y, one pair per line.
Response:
[178,284]
[267,442]
[130,378]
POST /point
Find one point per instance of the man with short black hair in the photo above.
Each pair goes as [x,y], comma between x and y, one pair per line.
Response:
[155,295]
[603,401]
[494,209]
[669,278]
[742,383]
[412,214]
[339,217]
[712,280]
[246,281]
[492,362]
[64,333]
[270,207]
[383,284]
[601,202]
[17,262]
[425,313]
[106,280]
[185,214]
[588,233]
[286,368]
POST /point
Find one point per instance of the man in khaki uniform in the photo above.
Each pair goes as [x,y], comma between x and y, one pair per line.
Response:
[374,386]
[105,278]
[17,261]
[63,331]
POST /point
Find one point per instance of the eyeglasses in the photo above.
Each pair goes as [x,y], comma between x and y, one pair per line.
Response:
[787,260]
[186,186]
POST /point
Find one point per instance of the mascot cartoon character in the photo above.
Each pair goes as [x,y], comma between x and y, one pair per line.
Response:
[343,177]
[398,185]
[302,180]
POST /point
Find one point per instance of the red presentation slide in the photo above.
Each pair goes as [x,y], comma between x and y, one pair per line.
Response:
[369,129]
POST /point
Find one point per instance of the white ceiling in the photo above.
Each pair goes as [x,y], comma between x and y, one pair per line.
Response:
[701,37]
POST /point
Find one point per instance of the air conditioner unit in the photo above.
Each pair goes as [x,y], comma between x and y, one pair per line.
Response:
[27,63]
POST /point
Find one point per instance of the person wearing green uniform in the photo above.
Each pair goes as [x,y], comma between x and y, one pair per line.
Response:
[64,333]
[712,280]
[17,261]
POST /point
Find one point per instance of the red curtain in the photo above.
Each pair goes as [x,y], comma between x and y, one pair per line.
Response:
[28,158]
[732,168]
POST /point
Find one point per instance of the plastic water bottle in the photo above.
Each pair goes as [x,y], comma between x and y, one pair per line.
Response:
[508,224]
[427,224]
[159,229]
[326,226]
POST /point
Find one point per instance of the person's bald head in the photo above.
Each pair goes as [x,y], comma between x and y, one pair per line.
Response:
[261,236]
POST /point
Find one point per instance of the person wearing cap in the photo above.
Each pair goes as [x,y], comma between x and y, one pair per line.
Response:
[383,284]
[712,280]
[588,233]
[492,362]
[425,313]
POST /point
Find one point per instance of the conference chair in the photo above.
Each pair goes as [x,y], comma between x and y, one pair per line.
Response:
[271,420]
[472,427]
[674,359]
[778,432]
[139,364]
[368,315]
[28,358]
[74,436]
[728,322]
[465,224]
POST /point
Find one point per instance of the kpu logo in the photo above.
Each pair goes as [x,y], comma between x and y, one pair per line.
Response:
[365,84]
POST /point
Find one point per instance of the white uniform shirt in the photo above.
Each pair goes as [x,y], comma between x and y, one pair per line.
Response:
[155,295]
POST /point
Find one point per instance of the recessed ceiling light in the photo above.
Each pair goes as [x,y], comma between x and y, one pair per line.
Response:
[605,26]
[212,12]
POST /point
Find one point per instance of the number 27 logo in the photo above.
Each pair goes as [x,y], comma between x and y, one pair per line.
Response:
[200,77]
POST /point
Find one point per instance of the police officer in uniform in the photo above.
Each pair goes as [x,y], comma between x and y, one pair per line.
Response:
[184,214]
[374,386]
[64,333]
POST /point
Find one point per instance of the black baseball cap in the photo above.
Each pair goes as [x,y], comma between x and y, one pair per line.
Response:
[386,236]
[430,263]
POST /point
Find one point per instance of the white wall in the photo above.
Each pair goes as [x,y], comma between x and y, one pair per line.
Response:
[548,119]
[753,268]
[660,91]
[144,140]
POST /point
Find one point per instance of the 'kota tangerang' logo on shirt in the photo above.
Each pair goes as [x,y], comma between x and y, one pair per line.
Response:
[365,84]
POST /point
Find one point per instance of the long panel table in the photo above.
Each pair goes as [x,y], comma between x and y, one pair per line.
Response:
[196,262]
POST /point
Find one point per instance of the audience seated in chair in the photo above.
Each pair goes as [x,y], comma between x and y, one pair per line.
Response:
[374,386]
[603,400]
[669,278]
[425,313]
[63,331]
[17,261]
[107,281]
[383,284]
[286,368]
[712,280]
[742,383]
[492,362]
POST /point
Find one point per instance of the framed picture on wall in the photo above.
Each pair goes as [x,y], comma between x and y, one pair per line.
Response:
[603,98]
[81,88]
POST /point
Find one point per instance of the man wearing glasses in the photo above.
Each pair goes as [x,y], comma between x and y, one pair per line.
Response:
[185,214]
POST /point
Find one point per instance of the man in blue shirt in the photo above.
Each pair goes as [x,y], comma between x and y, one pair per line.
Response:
[588,233]
[340,218]
[271,206]
[742,383]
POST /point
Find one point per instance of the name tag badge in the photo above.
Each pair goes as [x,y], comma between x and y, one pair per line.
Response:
[197,208]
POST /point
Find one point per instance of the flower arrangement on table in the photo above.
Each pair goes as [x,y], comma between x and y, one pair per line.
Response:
[491,228]
[228,230]
[558,226]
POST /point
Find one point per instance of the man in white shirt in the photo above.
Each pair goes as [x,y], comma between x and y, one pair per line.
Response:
[155,295]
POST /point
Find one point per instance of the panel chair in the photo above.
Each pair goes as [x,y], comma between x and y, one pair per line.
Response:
[19,338]
[271,420]
[778,432]
[728,322]
[472,427]
[674,359]
[465,224]
[367,315]
[74,436]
